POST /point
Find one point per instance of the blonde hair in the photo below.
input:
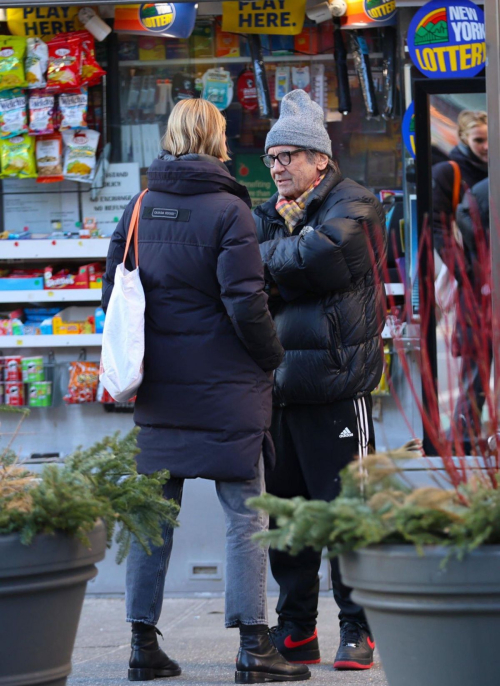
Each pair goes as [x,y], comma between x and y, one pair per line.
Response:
[469,119]
[196,126]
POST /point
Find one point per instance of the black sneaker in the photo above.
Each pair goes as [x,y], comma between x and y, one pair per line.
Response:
[295,644]
[356,647]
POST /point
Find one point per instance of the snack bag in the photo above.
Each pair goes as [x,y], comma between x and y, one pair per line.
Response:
[49,158]
[13,120]
[80,154]
[73,110]
[92,72]
[83,381]
[37,60]
[65,63]
[18,157]
[42,114]
[12,52]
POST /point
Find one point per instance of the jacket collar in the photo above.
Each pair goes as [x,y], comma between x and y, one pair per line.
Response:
[193,174]
[268,209]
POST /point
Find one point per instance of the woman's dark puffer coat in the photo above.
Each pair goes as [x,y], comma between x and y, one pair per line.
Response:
[210,344]
[331,308]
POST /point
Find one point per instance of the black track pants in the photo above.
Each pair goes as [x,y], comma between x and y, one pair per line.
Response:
[313,444]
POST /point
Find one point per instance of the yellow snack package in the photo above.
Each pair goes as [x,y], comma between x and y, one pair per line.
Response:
[12,53]
[18,157]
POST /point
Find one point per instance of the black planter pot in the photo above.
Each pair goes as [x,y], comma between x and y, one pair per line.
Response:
[433,627]
[42,587]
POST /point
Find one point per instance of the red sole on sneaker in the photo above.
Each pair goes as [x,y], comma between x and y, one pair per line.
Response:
[347,664]
[304,662]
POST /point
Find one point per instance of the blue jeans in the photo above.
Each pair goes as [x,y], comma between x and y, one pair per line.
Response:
[246,560]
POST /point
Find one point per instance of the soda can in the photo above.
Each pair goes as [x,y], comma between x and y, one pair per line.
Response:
[14,393]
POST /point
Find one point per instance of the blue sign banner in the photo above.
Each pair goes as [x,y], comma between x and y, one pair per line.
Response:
[446,39]
[409,130]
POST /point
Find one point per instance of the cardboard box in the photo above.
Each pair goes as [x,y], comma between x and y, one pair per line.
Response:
[74,320]
[21,284]
[226,44]
[307,41]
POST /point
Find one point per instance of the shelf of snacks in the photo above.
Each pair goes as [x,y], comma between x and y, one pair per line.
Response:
[54,249]
[44,107]
[57,296]
[187,61]
[26,381]
[51,341]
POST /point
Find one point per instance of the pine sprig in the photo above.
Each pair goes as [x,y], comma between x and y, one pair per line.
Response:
[376,506]
[100,483]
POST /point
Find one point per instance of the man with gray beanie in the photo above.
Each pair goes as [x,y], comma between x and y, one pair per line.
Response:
[322,239]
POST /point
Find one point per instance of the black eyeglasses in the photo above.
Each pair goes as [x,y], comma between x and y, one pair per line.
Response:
[284,158]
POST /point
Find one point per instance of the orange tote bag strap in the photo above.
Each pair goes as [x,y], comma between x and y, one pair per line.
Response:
[133,229]
[457,183]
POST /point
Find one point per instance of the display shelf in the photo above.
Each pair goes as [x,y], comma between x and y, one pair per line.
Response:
[63,295]
[71,248]
[186,61]
[74,341]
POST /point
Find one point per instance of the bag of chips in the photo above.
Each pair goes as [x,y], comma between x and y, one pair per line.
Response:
[65,63]
[37,59]
[92,72]
[49,158]
[80,154]
[12,52]
[18,157]
[42,114]
[13,119]
[73,110]
[83,381]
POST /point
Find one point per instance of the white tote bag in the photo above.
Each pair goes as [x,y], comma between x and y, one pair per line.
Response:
[122,357]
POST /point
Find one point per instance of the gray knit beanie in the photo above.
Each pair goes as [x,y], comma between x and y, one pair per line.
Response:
[301,123]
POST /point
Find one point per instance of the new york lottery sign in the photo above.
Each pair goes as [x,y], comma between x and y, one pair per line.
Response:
[447,39]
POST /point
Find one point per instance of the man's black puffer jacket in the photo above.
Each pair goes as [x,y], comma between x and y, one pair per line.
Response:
[331,309]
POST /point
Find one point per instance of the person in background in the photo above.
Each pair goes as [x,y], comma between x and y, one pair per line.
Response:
[467,168]
[322,240]
[204,406]
[471,157]
[473,329]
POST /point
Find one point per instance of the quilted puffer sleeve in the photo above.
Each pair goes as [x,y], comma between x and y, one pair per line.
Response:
[331,257]
[241,278]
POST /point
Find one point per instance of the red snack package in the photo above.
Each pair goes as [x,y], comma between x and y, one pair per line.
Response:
[92,72]
[65,63]
[83,380]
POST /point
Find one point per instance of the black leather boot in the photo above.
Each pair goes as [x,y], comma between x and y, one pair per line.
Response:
[147,660]
[258,661]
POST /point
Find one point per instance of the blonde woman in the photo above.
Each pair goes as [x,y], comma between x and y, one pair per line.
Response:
[204,407]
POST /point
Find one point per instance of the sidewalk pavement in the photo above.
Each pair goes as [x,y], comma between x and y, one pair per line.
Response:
[194,634]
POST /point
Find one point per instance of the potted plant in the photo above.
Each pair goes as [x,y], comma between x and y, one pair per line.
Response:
[54,527]
[424,562]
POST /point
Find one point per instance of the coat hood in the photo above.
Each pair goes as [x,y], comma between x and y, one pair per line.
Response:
[193,174]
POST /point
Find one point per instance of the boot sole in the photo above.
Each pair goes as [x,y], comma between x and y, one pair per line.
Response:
[147,674]
[351,664]
[259,677]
